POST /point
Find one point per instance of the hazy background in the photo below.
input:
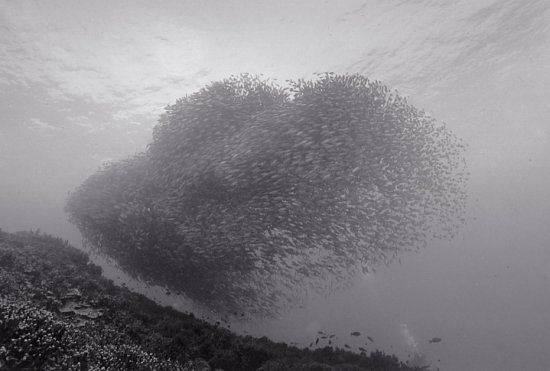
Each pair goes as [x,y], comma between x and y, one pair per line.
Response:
[83,82]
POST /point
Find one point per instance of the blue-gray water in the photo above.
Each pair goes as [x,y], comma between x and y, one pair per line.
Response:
[82,83]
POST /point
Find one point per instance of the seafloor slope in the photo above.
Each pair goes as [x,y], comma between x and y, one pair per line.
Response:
[58,312]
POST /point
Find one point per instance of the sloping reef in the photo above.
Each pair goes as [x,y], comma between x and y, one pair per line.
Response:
[57,312]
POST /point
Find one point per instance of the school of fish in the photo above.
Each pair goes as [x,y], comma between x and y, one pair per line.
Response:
[250,195]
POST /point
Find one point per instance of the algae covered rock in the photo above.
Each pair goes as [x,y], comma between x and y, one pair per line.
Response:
[250,193]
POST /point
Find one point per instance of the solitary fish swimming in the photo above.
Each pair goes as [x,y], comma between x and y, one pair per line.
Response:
[435,340]
[355,333]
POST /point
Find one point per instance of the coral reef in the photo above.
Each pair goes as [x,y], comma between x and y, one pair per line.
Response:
[58,312]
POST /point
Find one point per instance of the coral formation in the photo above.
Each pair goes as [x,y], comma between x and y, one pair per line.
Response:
[58,313]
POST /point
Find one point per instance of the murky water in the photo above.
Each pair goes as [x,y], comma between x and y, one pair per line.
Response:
[80,87]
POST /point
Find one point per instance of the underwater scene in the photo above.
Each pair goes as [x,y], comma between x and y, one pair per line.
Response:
[237,185]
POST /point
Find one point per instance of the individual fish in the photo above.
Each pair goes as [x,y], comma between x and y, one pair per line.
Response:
[370,339]
[355,333]
[435,340]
